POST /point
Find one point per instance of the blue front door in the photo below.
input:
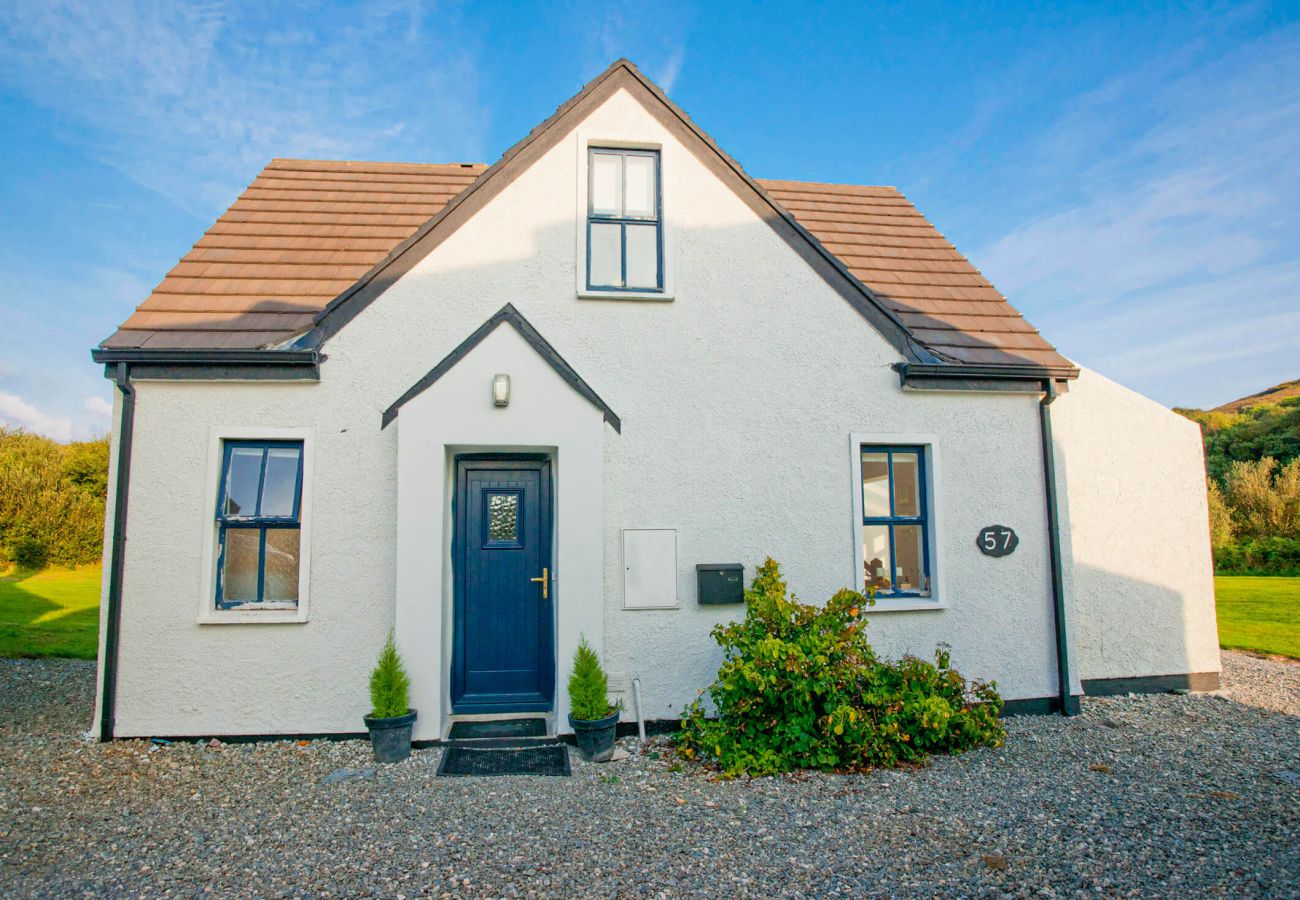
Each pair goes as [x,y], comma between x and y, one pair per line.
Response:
[503,656]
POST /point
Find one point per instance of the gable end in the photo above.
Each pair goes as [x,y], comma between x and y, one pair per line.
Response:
[510,316]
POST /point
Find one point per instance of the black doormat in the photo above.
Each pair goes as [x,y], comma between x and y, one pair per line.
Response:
[552,759]
[499,728]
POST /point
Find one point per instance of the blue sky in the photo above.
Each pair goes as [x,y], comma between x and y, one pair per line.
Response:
[1128,174]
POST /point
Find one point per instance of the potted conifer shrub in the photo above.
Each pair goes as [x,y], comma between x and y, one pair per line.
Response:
[593,719]
[391,718]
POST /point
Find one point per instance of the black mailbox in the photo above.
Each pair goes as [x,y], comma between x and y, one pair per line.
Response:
[721,583]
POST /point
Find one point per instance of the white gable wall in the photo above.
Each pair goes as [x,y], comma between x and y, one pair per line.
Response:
[1138,525]
[737,401]
[456,415]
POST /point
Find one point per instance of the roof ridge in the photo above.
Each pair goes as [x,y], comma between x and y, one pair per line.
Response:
[886,187]
[350,163]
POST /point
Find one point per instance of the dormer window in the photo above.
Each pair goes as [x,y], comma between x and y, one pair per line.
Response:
[624,226]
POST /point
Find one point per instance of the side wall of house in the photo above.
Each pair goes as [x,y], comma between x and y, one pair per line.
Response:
[110,507]
[1142,576]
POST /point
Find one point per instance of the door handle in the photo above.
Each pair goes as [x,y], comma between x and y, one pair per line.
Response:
[545,580]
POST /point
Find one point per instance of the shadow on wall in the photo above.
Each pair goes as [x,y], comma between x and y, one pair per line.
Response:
[1124,627]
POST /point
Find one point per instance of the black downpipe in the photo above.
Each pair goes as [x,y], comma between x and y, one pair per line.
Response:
[1068,701]
[108,707]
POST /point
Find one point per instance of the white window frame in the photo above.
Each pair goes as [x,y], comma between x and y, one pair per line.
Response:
[588,140]
[933,473]
[208,613]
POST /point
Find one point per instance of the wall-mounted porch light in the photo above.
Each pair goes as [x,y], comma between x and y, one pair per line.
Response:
[501,389]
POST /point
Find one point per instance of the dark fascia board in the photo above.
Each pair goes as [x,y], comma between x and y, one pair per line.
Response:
[621,73]
[510,316]
[219,365]
[982,377]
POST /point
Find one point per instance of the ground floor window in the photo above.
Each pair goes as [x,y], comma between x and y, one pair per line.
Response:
[895,521]
[259,520]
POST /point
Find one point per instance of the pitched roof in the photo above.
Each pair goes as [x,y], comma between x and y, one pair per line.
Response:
[311,240]
[302,233]
[943,300]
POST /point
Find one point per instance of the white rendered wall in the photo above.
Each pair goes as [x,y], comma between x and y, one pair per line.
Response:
[737,400]
[456,415]
[1143,585]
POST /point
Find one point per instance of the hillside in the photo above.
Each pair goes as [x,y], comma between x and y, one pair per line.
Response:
[1271,397]
[1251,428]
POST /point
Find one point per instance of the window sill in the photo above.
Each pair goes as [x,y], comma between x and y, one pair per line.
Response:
[652,296]
[904,604]
[254,616]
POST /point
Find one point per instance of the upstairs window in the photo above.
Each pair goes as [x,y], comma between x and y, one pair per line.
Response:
[624,227]
[259,520]
[895,521]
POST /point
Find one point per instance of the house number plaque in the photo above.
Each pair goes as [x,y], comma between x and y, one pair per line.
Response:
[997,540]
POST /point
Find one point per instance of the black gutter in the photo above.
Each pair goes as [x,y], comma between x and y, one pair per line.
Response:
[1041,379]
[909,372]
[1069,702]
[212,365]
[164,357]
[117,558]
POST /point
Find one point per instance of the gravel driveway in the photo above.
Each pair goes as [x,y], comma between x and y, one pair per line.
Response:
[1164,795]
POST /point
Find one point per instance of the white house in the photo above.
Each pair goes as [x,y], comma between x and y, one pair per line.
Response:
[498,408]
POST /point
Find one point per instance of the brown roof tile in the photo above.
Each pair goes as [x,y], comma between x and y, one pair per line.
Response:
[302,233]
[945,302]
[305,231]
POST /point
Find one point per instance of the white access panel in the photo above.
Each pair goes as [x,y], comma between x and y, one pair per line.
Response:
[649,568]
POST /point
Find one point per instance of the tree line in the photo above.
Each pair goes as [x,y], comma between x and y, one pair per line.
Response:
[1252,457]
[51,499]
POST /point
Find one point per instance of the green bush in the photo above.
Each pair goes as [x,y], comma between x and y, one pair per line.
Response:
[30,553]
[1259,556]
[1250,434]
[51,495]
[588,686]
[390,688]
[800,688]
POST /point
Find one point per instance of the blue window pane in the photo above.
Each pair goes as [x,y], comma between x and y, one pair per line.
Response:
[877,562]
[624,240]
[242,478]
[280,582]
[259,542]
[280,488]
[606,184]
[909,560]
[907,485]
[605,247]
[640,192]
[895,539]
[875,485]
[642,243]
[239,565]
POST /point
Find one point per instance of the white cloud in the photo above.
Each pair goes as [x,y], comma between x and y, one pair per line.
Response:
[18,413]
[98,408]
[669,71]
[1169,245]
[190,100]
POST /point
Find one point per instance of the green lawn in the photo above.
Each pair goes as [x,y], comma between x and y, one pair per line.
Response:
[1260,614]
[53,612]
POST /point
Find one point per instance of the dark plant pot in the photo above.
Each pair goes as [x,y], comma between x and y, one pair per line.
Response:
[391,738]
[596,736]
